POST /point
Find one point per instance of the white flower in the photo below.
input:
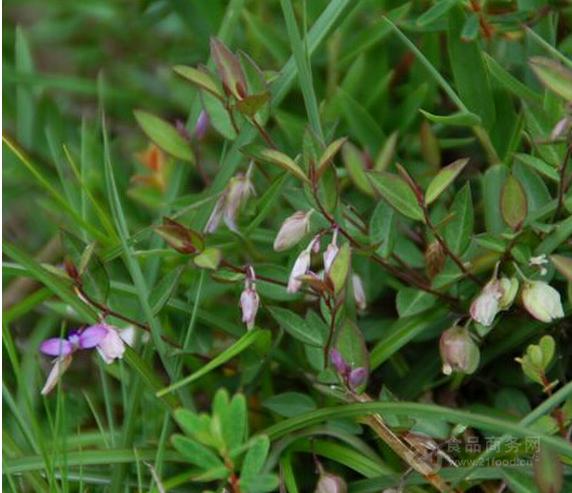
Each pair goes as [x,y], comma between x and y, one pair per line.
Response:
[292,230]
[542,301]
[111,347]
[458,351]
[509,290]
[61,364]
[485,306]
[359,292]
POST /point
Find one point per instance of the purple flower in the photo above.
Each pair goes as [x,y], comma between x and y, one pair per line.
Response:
[77,339]
[339,363]
[101,336]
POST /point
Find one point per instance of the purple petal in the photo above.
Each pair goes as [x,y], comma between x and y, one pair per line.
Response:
[357,377]
[56,347]
[92,336]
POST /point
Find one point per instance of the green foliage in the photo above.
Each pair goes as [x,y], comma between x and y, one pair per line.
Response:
[152,152]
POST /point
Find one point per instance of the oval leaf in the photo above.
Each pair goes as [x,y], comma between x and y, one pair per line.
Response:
[513,203]
[443,179]
[398,194]
[164,135]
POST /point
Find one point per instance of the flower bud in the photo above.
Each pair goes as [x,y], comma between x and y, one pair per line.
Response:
[202,126]
[331,252]
[542,301]
[458,351]
[239,189]
[249,303]
[485,306]
[300,268]
[111,347]
[330,483]
[359,292]
[338,361]
[357,378]
[293,229]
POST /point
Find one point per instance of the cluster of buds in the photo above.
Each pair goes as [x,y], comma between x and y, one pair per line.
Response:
[459,352]
[352,378]
[232,199]
[249,299]
[103,337]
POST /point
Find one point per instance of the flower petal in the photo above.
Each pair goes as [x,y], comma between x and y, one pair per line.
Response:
[92,336]
[56,347]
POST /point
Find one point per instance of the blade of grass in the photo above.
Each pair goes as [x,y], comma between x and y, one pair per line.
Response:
[244,342]
[416,410]
[302,60]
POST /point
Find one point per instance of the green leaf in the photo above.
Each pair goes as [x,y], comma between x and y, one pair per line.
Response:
[164,289]
[250,105]
[195,453]
[290,404]
[296,326]
[229,69]
[235,422]
[398,194]
[539,165]
[278,158]
[411,301]
[471,78]
[509,82]
[459,230]
[340,268]
[164,135]
[386,153]
[459,119]
[255,457]
[493,181]
[201,78]
[513,203]
[330,152]
[262,483]
[209,259]
[245,341]
[444,178]
[350,343]
[218,116]
[548,470]
[554,76]
[563,265]
[382,228]
[195,426]
[355,165]
[438,10]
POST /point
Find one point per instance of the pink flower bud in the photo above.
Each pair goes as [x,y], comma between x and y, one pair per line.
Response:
[293,229]
[485,306]
[542,301]
[331,252]
[359,292]
[111,347]
[357,378]
[238,192]
[338,361]
[216,215]
[458,351]
[249,303]
[61,364]
[201,126]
